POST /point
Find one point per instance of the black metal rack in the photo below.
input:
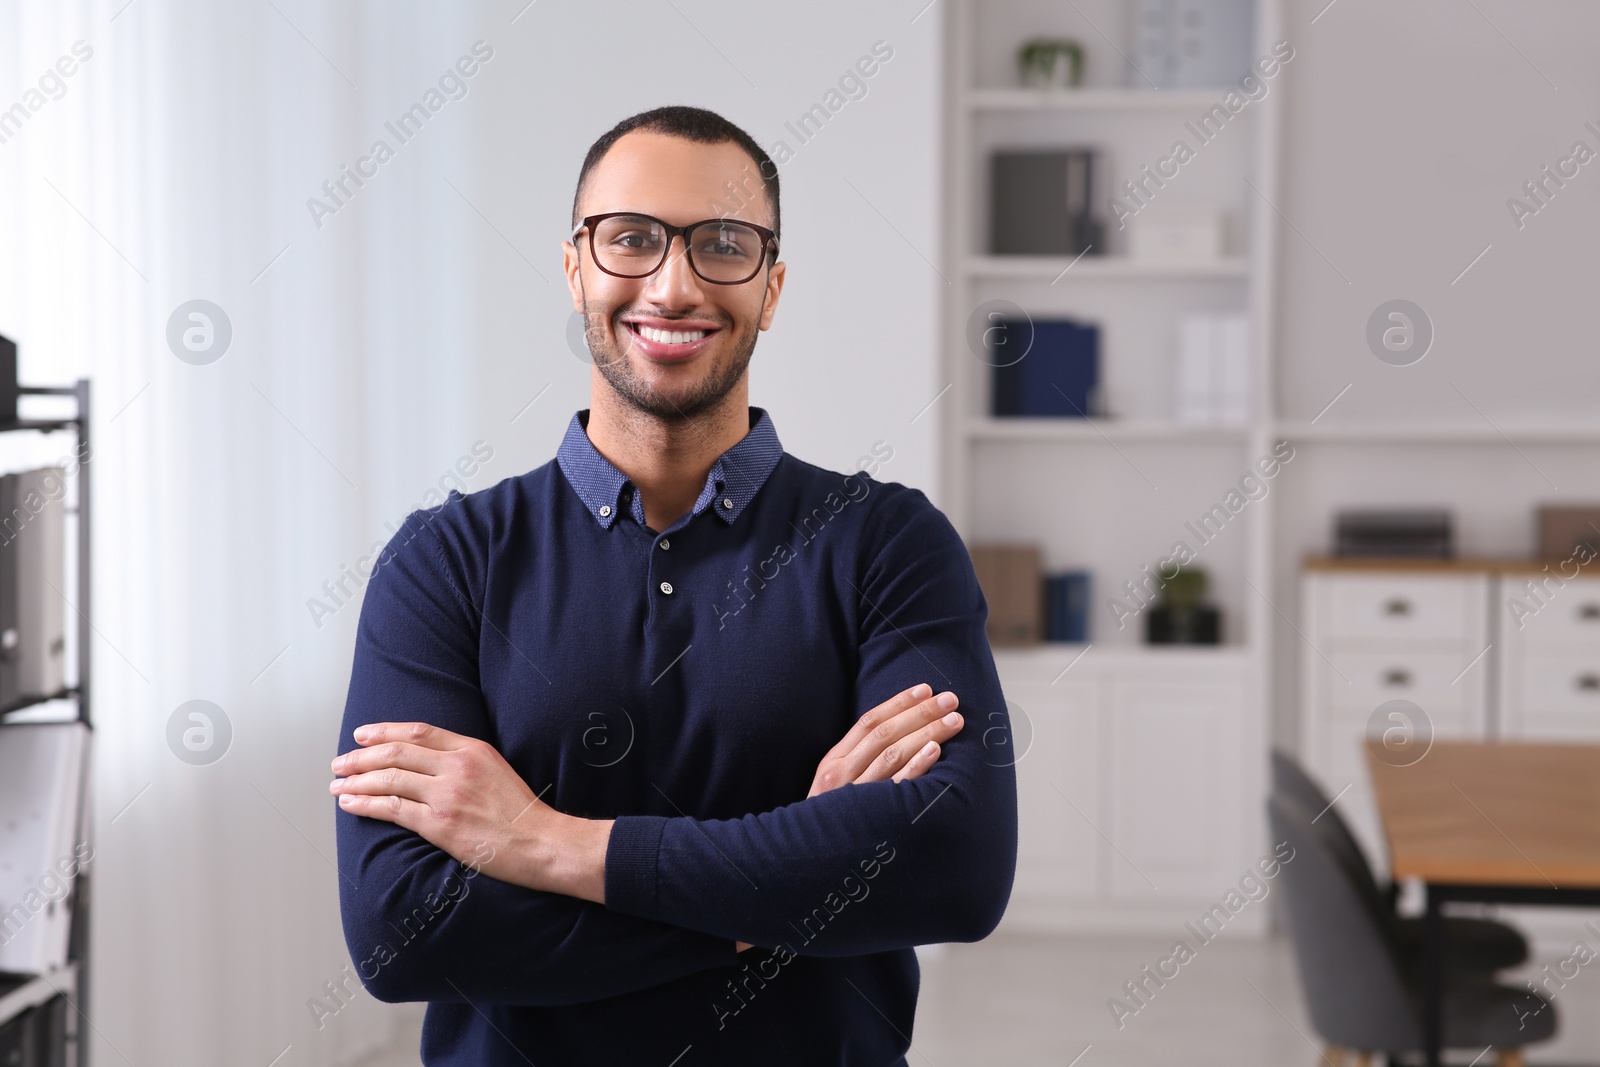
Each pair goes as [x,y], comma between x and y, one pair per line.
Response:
[57,1035]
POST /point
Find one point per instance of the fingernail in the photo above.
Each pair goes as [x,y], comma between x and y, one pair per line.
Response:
[927,749]
[333,786]
[338,763]
[952,719]
[346,798]
[947,701]
[922,691]
[362,733]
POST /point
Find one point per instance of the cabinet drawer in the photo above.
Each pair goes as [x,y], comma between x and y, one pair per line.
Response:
[1565,685]
[1432,680]
[1400,607]
[1570,614]
[1406,607]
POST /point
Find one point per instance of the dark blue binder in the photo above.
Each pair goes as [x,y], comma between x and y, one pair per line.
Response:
[1067,607]
[1058,376]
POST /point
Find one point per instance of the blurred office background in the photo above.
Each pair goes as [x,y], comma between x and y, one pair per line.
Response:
[376,344]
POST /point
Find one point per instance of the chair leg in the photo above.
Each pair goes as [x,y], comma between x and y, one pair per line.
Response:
[1509,1057]
[1333,1056]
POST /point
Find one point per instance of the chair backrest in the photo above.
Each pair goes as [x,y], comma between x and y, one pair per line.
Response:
[1350,965]
[1289,778]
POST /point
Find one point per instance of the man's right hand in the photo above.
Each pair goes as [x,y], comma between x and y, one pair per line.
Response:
[898,739]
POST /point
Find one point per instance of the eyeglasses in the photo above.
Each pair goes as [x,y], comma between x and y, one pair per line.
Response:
[626,244]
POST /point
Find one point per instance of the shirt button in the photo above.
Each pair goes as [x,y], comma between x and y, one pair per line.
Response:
[665,544]
[727,503]
[605,510]
[666,587]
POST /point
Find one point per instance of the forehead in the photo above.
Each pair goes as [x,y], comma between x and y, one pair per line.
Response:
[677,180]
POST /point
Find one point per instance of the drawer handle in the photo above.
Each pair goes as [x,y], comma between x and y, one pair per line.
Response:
[1399,676]
[1397,606]
[1588,683]
[1589,612]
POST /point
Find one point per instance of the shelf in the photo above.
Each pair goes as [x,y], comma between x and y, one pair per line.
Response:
[1068,429]
[37,990]
[1060,655]
[1094,268]
[1468,432]
[33,702]
[38,425]
[1155,101]
[1435,564]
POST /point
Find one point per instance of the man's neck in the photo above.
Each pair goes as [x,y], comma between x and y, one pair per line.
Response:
[667,460]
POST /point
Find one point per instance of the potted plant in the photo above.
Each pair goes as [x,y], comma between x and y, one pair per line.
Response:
[1050,63]
[1182,617]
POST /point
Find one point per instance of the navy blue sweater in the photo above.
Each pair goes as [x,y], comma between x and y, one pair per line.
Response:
[686,684]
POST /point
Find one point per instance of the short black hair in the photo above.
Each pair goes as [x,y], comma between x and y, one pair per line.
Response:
[692,124]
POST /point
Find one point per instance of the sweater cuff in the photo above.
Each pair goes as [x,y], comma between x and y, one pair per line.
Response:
[631,857]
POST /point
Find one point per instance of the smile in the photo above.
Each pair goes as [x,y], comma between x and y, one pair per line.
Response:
[669,337]
[670,346]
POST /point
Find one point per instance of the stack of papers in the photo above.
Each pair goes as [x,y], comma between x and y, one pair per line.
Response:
[42,767]
[1212,383]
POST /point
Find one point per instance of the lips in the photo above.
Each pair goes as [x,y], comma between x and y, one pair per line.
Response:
[666,341]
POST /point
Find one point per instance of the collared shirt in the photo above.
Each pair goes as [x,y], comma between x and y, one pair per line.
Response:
[732,483]
[685,683]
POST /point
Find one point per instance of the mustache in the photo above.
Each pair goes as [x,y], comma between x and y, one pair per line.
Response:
[722,322]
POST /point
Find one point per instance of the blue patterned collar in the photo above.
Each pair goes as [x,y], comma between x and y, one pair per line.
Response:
[731,484]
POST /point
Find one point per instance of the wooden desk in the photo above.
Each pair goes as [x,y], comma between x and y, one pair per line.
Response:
[1499,821]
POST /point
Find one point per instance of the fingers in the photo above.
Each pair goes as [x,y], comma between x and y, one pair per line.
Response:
[919,764]
[416,733]
[390,781]
[893,743]
[389,754]
[398,810]
[878,716]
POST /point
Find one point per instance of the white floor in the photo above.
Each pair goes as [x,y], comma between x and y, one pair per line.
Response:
[1042,1001]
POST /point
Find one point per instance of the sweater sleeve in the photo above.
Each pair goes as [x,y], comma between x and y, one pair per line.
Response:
[876,866]
[420,925]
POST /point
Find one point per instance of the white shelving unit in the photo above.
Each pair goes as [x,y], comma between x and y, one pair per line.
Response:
[1141,793]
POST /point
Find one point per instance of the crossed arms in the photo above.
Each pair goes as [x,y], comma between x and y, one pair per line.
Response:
[427,805]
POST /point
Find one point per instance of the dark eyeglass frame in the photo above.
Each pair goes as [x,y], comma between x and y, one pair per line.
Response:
[769,243]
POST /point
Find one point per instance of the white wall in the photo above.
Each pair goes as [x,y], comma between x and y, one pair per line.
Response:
[367,359]
[849,359]
[1408,128]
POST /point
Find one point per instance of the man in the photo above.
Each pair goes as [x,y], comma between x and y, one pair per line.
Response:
[639,765]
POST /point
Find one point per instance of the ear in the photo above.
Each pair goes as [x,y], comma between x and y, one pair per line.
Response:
[572,268]
[774,287]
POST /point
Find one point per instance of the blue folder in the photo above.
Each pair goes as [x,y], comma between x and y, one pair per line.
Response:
[1058,375]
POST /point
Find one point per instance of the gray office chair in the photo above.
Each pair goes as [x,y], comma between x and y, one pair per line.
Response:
[1361,991]
[1470,944]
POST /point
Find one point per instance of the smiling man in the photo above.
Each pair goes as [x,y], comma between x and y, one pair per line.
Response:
[650,754]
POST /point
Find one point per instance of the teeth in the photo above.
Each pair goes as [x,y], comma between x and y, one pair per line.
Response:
[670,337]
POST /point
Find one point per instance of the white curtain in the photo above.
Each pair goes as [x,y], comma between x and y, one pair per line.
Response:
[175,163]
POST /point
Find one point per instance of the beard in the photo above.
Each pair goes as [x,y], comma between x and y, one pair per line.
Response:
[611,352]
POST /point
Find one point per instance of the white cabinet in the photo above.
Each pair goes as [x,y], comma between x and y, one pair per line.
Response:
[1372,636]
[1176,748]
[1058,793]
[1138,791]
[1489,650]
[1550,679]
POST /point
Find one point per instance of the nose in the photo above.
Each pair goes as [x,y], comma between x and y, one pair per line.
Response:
[674,284]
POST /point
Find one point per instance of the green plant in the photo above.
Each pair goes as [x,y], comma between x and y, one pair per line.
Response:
[1186,589]
[1037,60]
